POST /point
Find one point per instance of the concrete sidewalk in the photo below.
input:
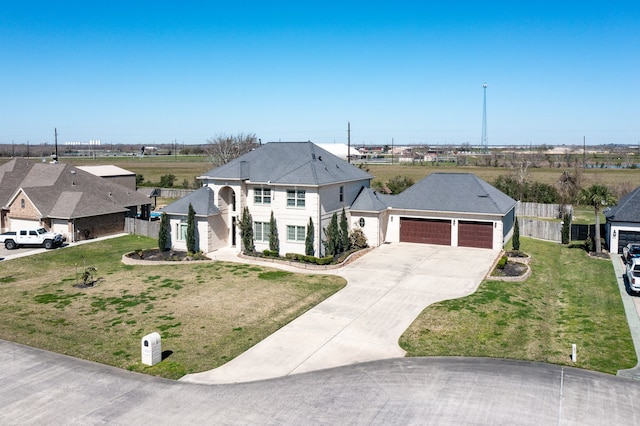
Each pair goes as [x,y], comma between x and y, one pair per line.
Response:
[387,289]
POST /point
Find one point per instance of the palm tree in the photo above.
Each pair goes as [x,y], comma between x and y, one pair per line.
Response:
[597,196]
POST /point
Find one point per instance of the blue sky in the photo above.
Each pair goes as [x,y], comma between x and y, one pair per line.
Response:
[157,71]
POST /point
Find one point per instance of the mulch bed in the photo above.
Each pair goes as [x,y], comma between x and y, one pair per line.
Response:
[511,269]
[169,255]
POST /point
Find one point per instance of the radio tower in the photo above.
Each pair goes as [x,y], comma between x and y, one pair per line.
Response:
[484,144]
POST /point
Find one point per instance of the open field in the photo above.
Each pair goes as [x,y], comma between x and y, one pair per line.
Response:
[152,167]
[569,298]
[207,313]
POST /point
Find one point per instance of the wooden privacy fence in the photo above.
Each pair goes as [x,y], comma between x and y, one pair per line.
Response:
[541,229]
[174,192]
[147,228]
[541,210]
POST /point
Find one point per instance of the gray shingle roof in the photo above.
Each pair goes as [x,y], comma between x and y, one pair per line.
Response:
[627,209]
[64,191]
[454,192]
[369,200]
[202,201]
[289,163]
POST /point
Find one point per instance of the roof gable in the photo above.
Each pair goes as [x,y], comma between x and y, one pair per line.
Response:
[454,192]
[202,201]
[289,163]
[627,209]
[50,188]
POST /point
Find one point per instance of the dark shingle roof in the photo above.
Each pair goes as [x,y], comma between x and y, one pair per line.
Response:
[64,191]
[289,163]
[369,200]
[454,192]
[202,201]
[627,209]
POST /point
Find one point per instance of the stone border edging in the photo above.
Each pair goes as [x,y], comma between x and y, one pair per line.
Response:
[520,278]
[353,256]
[312,266]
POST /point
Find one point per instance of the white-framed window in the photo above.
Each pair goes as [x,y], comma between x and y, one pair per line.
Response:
[181,231]
[295,197]
[296,233]
[261,231]
[262,195]
[341,193]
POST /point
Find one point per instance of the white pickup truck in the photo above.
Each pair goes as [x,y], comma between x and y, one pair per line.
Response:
[31,237]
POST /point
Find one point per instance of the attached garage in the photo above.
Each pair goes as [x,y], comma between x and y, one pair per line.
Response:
[16,224]
[475,234]
[426,231]
[626,237]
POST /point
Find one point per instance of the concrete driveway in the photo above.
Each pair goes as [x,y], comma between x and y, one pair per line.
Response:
[387,289]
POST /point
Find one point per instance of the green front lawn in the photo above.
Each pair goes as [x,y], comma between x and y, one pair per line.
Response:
[569,298]
[207,313]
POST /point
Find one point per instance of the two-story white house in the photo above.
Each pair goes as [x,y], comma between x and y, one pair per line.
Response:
[301,182]
[297,181]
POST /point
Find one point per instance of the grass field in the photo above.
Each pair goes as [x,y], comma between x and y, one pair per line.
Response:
[569,298]
[207,314]
[184,167]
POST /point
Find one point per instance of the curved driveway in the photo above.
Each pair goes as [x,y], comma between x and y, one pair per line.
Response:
[386,290]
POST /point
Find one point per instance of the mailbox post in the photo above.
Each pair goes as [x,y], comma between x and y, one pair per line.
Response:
[151,349]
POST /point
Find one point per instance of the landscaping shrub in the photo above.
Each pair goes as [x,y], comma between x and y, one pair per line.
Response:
[502,262]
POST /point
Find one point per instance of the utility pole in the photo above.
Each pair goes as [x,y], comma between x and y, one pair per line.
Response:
[391,150]
[484,143]
[55,133]
[349,142]
[584,152]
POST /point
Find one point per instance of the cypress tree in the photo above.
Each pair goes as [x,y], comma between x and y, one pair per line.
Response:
[163,233]
[274,241]
[191,230]
[332,232]
[344,232]
[246,231]
[516,236]
[309,239]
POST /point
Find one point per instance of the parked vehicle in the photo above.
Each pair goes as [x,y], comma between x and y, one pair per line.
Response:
[633,274]
[630,251]
[31,237]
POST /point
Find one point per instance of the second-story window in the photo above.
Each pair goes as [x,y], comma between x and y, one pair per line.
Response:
[341,193]
[295,198]
[262,195]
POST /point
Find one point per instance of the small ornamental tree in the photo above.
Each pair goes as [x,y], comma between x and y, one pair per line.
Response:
[274,241]
[309,240]
[191,230]
[344,232]
[516,236]
[246,231]
[332,234]
[566,228]
[163,234]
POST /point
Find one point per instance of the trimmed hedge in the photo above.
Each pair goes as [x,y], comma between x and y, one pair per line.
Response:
[309,259]
[502,262]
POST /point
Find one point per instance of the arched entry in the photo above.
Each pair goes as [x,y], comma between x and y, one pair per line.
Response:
[227,206]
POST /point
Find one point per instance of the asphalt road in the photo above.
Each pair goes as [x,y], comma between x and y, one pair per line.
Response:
[39,387]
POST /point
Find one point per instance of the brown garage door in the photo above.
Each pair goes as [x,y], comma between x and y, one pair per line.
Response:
[426,231]
[475,234]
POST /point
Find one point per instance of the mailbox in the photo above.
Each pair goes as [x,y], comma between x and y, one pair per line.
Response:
[151,349]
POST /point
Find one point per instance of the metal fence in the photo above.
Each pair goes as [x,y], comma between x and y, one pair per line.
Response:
[147,228]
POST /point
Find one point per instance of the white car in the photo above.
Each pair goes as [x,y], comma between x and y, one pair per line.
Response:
[633,274]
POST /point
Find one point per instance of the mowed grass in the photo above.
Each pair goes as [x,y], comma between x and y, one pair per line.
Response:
[207,313]
[569,298]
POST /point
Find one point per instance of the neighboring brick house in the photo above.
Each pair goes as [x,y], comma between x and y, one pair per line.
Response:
[299,181]
[64,199]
